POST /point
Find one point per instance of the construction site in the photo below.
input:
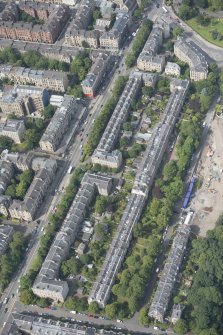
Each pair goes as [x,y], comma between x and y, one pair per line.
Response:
[207,202]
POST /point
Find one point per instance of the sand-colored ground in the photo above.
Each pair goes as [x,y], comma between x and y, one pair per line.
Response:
[208,201]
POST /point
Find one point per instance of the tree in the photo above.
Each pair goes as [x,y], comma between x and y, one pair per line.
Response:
[5,143]
[70,266]
[101,204]
[180,327]
[170,170]
[143,317]
[27,297]
[93,308]
[177,31]
[147,90]
[49,111]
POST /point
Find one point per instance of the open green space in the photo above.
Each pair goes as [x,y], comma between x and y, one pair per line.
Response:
[206,32]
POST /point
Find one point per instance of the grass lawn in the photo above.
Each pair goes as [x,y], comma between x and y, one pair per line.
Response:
[205,32]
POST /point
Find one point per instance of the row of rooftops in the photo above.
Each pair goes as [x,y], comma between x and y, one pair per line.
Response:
[47,277]
[152,44]
[122,21]
[57,50]
[15,71]
[143,182]
[69,107]
[97,69]
[197,59]
[57,18]
[169,275]
[119,115]
[35,325]
[36,189]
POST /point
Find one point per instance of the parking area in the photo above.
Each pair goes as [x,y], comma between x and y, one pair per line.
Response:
[207,203]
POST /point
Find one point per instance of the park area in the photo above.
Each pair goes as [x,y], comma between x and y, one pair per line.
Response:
[213,32]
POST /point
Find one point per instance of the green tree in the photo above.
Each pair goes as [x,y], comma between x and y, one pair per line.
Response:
[27,297]
[143,317]
[170,170]
[101,204]
[49,111]
[5,143]
[70,266]
[93,308]
[180,327]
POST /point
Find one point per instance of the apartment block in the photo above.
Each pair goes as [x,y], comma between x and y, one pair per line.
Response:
[104,153]
[77,32]
[168,278]
[10,13]
[58,125]
[142,185]
[172,69]
[52,80]
[6,234]
[56,17]
[35,325]
[47,284]
[97,73]
[190,53]
[27,209]
[14,129]
[114,38]
[148,59]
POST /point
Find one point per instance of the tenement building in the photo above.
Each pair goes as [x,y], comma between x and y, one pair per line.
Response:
[59,123]
[55,19]
[148,59]
[52,80]
[190,53]
[97,73]
[27,209]
[105,154]
[114,38]
[47,284]
[168,278]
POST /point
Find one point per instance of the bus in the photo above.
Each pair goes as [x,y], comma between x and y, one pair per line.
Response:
[70,169]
